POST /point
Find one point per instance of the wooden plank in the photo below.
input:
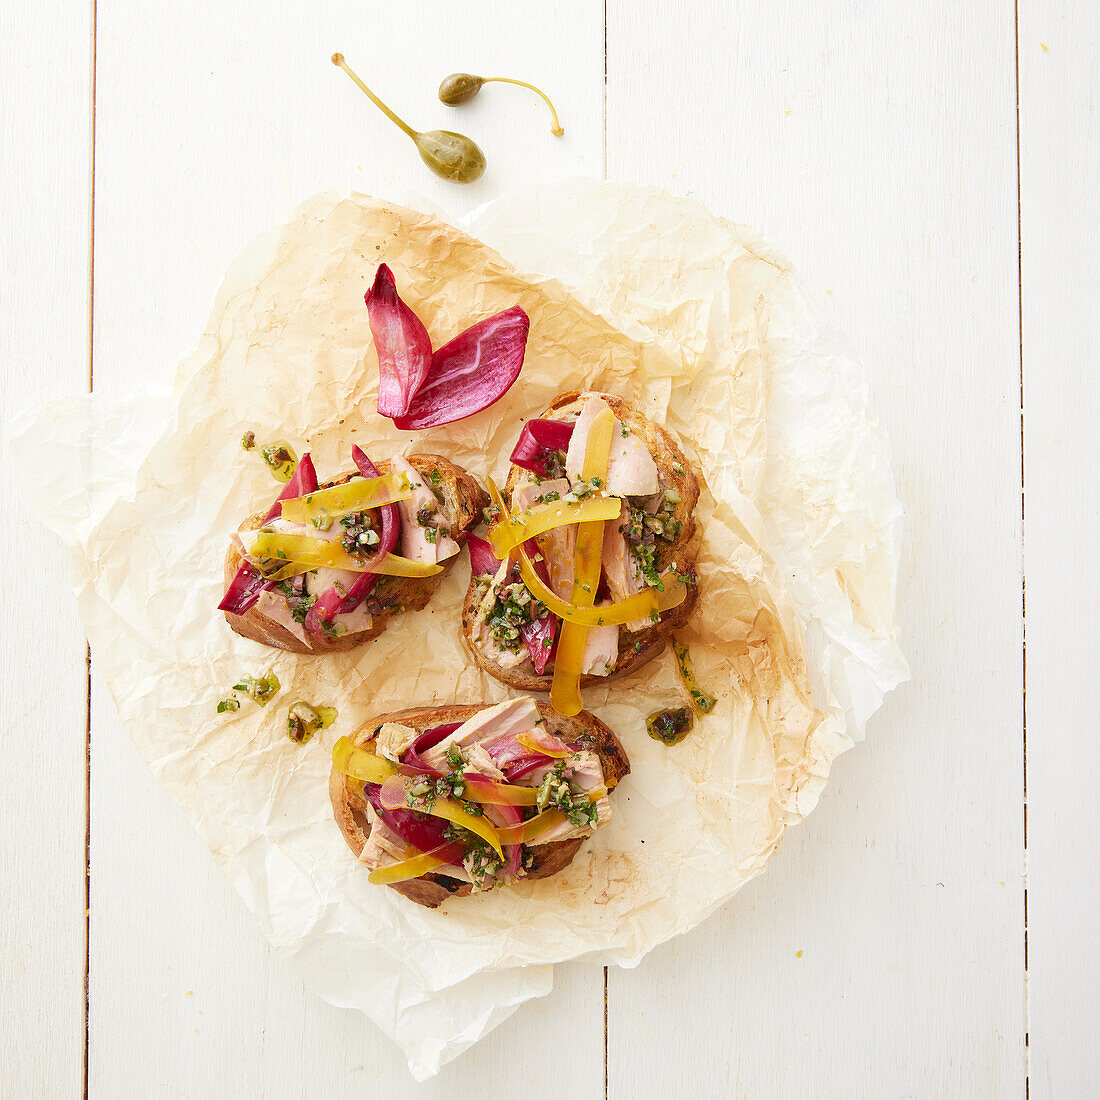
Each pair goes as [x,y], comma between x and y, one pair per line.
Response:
[1060,161]
[213,122]
[44,301]
[882,954]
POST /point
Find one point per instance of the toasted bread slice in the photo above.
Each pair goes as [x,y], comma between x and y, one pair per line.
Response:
[584,731]
[462,501]
[638,648]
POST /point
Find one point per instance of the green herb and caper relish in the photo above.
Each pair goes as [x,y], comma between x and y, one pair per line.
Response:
[556,792]
[358,535]
[644,531]
[304,720]
[280,459]
[260,689]
[670,726]
[513,608]
[700,700]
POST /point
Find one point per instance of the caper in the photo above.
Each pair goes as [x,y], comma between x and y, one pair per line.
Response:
[453,156]
[460,88]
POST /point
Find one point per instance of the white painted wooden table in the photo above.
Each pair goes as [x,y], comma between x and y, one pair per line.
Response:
[930,930]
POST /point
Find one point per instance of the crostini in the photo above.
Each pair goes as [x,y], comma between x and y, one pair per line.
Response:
[327,567]
[440,802]
[589,564]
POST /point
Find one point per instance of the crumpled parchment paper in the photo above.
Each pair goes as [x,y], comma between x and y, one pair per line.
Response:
[629,290]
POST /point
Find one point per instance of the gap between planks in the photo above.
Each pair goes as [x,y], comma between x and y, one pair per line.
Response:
[1023,546]
[87,647]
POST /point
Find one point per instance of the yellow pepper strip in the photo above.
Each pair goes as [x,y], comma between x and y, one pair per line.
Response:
[359,764]
[303,550]
[521,526]
[639,606]
[357,495]
[529,742]
[446,808]
[406,869]
[491,793]
[565,695]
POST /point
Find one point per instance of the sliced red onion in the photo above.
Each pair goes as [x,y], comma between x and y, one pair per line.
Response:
[482,558]
[537,437]
[332,602]
[427,740]
[422,831]
[470,373]
[402,342]
[247,584]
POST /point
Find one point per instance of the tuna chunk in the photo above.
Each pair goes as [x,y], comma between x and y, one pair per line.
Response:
[601,651]
[620,568]
[511,717]
[415,541]
[383,846]
[393,739]
[631,470]
[558,546]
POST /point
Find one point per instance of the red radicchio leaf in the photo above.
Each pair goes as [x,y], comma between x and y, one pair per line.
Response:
[402,342]
[427,740]
[482,558]
[420,830]
[471,372]
[247,584]
[537,437]
[332,602]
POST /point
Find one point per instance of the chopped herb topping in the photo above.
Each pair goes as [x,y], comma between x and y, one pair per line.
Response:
[248,441]
[556,792]
[513,609]
[359,534]
[231,704]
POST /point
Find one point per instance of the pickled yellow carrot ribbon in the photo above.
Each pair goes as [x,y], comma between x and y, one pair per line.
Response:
[521,526]
[565,696]
[311,553]
[357,763]
[406,869]
[357,495]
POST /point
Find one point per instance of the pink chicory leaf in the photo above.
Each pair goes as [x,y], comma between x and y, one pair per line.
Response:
[402,342]
[482,558]
[471,372]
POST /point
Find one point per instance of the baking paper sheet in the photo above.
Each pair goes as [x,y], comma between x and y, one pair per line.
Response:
[629,290]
